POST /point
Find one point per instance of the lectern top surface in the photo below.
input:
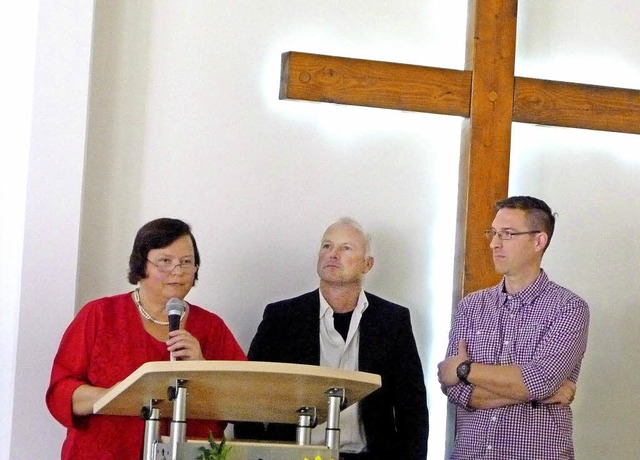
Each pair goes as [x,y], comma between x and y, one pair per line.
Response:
[235,390]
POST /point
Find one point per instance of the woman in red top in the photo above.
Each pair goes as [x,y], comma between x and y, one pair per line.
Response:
[113,336]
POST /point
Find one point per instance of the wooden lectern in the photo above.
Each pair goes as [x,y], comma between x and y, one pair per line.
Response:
[238,391]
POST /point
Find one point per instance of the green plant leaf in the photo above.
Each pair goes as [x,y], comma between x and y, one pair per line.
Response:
[216,451]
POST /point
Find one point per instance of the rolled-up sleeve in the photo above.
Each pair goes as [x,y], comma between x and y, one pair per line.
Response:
[559,355]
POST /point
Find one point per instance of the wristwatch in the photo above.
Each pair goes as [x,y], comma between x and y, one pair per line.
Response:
[462,371]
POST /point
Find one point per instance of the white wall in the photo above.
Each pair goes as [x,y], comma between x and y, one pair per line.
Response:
[591,179]
[184,121]
[18,24]
[51,219]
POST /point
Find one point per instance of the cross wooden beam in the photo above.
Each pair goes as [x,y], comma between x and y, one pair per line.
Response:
[489,97]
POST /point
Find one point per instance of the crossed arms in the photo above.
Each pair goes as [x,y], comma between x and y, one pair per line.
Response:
[494,385]
[541,364]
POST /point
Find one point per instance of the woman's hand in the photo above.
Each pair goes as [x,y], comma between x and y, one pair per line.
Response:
[183,346]
[84,397]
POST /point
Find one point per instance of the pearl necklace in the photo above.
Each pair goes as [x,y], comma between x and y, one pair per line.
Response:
[145,313]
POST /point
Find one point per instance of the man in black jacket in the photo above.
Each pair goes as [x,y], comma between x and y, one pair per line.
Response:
[340,325]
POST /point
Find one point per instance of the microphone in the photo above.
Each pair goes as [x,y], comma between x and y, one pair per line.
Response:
[175,310]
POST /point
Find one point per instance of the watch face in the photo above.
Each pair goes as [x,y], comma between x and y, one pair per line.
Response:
[463,371]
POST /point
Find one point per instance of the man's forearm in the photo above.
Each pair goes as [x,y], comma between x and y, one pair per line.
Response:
[503,382]
[482,398]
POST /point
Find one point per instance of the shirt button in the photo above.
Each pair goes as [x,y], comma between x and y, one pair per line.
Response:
[506,342]
[489,447]
[494,418]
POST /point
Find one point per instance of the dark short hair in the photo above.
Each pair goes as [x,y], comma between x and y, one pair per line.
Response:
[157,234]
[538,213]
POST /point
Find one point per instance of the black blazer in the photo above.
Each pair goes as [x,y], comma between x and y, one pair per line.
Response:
[395,416]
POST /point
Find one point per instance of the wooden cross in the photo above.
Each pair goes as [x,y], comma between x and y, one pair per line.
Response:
[487,94]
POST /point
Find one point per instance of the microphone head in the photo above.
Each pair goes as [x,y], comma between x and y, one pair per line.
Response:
[175,307]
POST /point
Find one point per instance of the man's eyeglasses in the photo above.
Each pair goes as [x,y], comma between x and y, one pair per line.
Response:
[506,234]
[168,265]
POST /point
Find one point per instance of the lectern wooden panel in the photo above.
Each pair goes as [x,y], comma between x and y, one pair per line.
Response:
[236,390]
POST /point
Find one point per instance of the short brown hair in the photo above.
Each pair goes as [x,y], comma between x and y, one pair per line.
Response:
[539,215]
[158,233]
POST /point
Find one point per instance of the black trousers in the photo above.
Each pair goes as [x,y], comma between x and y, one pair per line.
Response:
[360,456]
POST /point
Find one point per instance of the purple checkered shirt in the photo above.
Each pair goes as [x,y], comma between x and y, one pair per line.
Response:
[544,330]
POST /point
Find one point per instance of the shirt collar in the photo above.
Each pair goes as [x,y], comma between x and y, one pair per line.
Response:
[528,294]
[361,306]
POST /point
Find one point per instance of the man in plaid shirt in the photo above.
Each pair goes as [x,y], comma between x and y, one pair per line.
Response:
[515,349]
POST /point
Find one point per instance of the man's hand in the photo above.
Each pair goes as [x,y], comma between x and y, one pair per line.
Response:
[447,375]
[564,395]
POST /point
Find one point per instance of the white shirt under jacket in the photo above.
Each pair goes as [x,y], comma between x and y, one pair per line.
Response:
[337,353]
